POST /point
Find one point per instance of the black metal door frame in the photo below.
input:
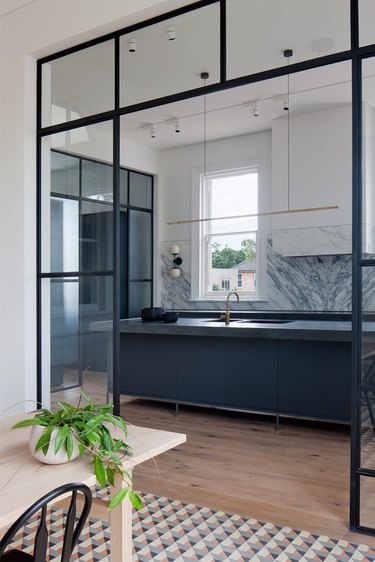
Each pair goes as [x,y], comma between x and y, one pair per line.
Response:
[356,54]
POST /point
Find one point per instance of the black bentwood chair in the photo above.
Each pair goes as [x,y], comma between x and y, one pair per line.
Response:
[72,528]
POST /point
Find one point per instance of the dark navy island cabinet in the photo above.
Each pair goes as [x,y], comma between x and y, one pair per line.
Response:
[314,379]
[237,373]
[149,366]
[299,378]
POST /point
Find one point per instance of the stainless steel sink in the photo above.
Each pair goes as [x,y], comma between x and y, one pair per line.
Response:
[266,321]
[220,321]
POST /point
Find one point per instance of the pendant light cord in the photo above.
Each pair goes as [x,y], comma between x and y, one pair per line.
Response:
[288,138]
[288,53]
[204,133]
[204,76]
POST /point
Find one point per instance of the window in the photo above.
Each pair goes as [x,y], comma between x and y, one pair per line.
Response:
[228,245]
[225,284]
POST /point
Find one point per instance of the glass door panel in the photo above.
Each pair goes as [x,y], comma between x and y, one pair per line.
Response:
[77,353]
[77,262]
[363,444]
[368,159]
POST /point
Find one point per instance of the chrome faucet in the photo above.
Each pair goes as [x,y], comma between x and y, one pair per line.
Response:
[226,315]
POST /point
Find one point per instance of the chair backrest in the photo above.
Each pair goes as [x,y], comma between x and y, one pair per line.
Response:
[73,527]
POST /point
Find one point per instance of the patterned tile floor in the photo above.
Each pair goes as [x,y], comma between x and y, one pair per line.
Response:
[168,530]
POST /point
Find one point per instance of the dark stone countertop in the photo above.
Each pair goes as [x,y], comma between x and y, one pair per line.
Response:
[329,330]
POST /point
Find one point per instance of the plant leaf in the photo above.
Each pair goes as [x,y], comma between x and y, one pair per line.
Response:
[61,437]
[69,445]
[135,499]
[116,420]
[44,439]
[110,476]
[92,437]
[107,440]
[87,398]
[99,471]
[27,423]
[118,497]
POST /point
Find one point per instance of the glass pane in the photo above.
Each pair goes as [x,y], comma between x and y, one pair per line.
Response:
[367,499]
[263,29]
[367,407]
[93,250]
[97,181]
[124,175]
[96,237]
[140,245]
[78,85]
[153,64]
[77,350]
[232,262]
[368,159]
[140,190]
[366,22]
[64,174]
[64,248]
[139,297]
[64,234]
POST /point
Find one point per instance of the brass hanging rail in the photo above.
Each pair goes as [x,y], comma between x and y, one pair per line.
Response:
[270,213]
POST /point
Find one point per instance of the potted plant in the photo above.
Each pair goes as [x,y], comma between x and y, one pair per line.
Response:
[76,430]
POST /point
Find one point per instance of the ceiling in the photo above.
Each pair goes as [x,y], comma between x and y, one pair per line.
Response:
[7,6]
[231,112]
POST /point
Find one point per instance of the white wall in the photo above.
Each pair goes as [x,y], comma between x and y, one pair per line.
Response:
[320,175]
[175,198]
[178,165]
[37,29]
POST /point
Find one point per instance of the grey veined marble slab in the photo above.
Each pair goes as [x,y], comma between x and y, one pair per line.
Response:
[313,283]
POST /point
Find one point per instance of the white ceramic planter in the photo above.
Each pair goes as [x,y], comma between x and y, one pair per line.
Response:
[51,457]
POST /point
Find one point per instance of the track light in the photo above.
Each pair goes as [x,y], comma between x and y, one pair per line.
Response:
[256,110]
[153,132]
[171,33]
[177,127]
[132,45]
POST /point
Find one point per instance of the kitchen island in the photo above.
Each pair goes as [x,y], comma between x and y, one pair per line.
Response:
[298,368]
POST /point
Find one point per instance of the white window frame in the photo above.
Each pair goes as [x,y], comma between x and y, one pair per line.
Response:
[198,249]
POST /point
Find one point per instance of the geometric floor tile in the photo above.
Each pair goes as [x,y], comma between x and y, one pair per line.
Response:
[169,531]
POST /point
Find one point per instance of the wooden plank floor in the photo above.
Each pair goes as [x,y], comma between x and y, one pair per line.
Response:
[239,464]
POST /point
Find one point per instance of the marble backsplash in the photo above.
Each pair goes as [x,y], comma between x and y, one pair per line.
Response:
[314,283]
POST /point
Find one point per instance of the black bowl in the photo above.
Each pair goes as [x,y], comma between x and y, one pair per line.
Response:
[152,314]
[170,316]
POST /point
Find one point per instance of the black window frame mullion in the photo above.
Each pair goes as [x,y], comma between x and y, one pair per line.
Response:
[223,40]
[116,267]
[39,339]
[354,510]
[152,239]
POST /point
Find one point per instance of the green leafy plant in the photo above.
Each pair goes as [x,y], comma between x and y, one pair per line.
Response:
[87,426]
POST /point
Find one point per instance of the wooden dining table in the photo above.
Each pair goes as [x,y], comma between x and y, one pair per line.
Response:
[23,479]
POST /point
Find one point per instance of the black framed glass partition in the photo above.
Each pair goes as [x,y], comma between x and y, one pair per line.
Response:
[77,260]
[363,464]
[95,220]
